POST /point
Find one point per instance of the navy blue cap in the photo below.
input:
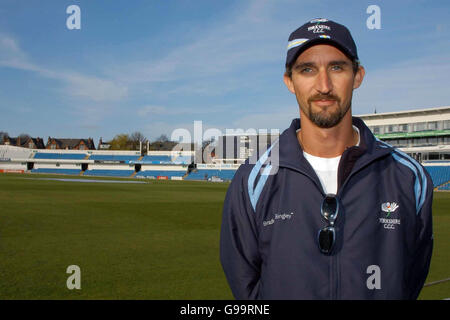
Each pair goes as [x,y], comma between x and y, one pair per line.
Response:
[320,31]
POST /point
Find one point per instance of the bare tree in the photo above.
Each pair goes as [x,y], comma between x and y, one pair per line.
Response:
[162,138]
[138,136]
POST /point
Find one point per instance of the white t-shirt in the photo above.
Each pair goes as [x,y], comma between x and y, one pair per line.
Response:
[327,169]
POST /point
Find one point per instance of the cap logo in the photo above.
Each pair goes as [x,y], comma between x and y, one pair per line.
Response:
[318,20]
[295,43]
[317,31]
[319,28]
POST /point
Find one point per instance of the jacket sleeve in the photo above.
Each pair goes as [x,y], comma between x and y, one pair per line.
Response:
[238,241]
[424,246]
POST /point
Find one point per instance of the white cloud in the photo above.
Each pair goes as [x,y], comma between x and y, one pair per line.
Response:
[92,88]
[75,84]
[12,56]
[418,83]
[246,37]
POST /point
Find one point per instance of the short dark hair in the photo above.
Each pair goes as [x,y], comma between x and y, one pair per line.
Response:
[355,66]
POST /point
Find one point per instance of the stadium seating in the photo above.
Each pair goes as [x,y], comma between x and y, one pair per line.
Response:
[439,174]
[11,152]
[110,157]
[205,174]
[156,159]
[109,173]
[445,187]
[60,156]
[183,160]
[57,171]
[156,173]
[166,160]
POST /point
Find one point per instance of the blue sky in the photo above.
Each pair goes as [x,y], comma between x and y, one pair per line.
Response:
[158,65]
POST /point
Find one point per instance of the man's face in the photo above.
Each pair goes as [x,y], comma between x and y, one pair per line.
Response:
[323,81]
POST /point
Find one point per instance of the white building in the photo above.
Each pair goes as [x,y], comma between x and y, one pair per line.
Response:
[423,134]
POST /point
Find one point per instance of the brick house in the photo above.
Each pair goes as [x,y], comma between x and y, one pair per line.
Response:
[70,144]
[24,142]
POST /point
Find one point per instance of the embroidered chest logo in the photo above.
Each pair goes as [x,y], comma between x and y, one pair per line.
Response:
[389,207]
[277,217]
[389,222]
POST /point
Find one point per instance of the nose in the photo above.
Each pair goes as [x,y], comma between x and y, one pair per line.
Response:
[324,84]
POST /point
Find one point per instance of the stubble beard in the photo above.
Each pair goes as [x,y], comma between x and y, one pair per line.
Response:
[326,118]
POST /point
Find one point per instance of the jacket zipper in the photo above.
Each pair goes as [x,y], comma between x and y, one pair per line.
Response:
[334,259]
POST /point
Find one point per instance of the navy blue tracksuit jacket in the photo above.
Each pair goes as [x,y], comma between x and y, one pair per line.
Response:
[271,219]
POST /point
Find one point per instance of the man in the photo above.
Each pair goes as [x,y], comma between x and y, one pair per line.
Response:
[341,215]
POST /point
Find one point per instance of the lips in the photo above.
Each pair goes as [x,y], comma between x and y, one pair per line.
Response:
[324,102]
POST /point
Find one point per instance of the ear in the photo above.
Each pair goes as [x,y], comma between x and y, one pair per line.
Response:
[359,76]
[288,82]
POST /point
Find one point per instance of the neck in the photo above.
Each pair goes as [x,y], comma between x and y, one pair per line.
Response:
[327,142]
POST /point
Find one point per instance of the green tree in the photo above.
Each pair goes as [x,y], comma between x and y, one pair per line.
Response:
[121,142]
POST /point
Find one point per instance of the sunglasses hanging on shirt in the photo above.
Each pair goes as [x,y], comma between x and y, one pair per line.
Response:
[327,235]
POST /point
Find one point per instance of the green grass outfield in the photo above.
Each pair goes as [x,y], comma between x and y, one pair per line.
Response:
[158,240]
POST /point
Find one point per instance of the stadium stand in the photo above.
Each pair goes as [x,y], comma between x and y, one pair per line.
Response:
[156,159]
[11,152]
[152,159]
[163,173]
[60,156]
[205,174]
[184,160]
[57,171]
[110,157]
[109,173]
[445,187]
[439,174]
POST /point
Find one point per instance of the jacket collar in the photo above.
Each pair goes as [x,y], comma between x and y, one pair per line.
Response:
[291,153]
